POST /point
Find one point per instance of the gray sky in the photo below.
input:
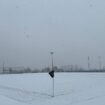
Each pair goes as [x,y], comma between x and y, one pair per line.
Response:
[30,29]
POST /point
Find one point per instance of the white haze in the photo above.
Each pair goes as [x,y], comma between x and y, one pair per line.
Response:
[73,29]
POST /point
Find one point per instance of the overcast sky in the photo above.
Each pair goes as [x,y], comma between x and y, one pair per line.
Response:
[73,29]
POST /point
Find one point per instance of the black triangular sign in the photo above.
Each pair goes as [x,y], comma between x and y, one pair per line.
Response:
[51,73]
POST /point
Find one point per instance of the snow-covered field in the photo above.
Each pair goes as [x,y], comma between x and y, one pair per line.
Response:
[36,89]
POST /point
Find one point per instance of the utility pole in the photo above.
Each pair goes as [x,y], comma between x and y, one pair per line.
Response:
[3,68]
[88,63]
[100,63]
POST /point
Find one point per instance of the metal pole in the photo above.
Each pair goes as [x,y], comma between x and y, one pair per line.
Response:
[88,63]
[53,77]
[3,67]
[53,88]
[100,63]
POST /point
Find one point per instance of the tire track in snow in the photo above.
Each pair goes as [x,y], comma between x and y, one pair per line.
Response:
[22,95]
[87,99]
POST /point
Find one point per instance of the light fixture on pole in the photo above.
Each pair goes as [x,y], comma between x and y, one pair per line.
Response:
[51,73]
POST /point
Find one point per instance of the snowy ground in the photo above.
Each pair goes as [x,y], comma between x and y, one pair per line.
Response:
[36,89]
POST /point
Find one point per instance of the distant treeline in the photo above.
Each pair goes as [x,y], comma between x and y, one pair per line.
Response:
[19,70]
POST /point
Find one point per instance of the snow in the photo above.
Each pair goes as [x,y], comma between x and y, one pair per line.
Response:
[36,89]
